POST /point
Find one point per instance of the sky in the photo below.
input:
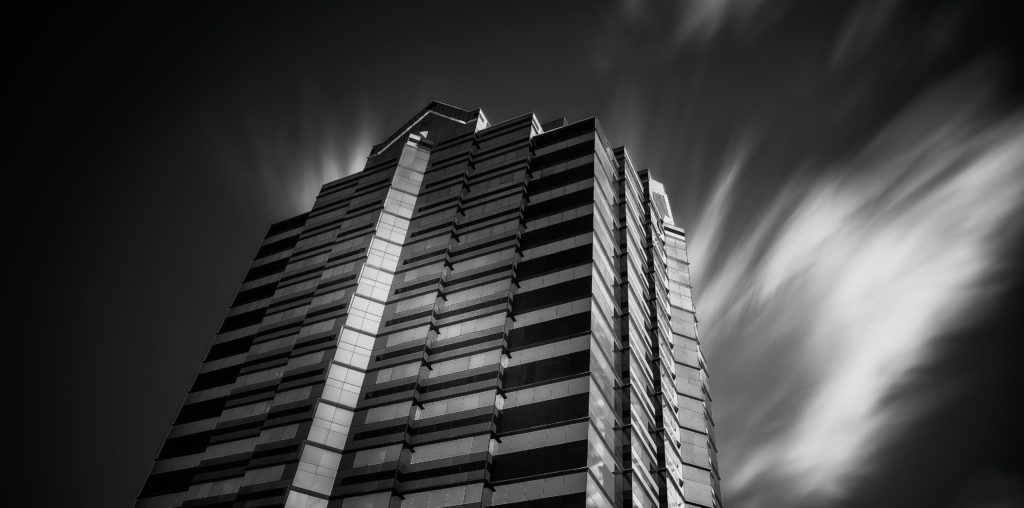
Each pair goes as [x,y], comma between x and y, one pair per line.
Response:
[850,176]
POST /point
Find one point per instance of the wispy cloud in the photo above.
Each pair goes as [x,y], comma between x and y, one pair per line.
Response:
[288,154]
[862,27]
[670,25]
[701,19]
[845,283]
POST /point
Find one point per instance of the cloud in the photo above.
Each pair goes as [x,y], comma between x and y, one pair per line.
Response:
[701,19]
[670,25]
[862,27]
[288,153]
[844,283]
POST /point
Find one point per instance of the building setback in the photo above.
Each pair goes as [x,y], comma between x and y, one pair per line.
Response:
[486,315]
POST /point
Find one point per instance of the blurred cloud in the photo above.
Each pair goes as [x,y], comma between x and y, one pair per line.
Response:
[845,282]
[863,26]
[701,19]
[289,154]
[669,25]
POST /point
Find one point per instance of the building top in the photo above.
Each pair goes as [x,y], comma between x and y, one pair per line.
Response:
[660,200]
[434,110]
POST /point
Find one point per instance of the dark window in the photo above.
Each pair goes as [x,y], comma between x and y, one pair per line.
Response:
[276,247]
[243,320]
[287,224]
[265,270]
[540,461]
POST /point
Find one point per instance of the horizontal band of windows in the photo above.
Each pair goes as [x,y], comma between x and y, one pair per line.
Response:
[328,208]
[374,204]
[287,225]
[356,179]
[407,317]
[457,423]
[489,374]
[498,176]
[558,231]
[358,476]
[464,139]
[493,172]
[554,146]
[254,294]
[416,273]
[554,313]
[473,327]
[260,281]
[216,378]
[442,161]
[519,154]
[184,445]
[547,369]
[270,259]
[552,295]
[486,160]
[439,250]
[572,174]
[549,459]
[542,437]
[505,209]
[549,331]
[567,202]
[167,483]
[419,283]
[565,165]
[277,247]
[543,500]
[266,270]
[459,311]
[441,226]
[512,192]
[501,138]
[231,347]
[404,388]
[449,184]
[441,164]
[405,348]
[491,336]
[566,154]
[565,132]
[466,258]
[494,241]
[517,132]
[547,390]
[500,268]
[427,216]
[488,236]
[490,284]
[376,433]
[365,188]
[200,410]
[236,359]
[557,192]
[436,472]
[336,190]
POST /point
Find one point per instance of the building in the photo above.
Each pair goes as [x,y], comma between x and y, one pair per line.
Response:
[486,315]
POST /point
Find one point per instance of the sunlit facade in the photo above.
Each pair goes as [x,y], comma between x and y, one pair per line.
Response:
[486,315]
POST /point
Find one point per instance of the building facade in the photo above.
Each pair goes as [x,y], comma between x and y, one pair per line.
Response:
[486,315]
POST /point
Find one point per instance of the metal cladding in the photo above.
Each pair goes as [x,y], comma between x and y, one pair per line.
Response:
[484,316]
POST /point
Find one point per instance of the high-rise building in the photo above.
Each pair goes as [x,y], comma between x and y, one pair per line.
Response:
[486,315]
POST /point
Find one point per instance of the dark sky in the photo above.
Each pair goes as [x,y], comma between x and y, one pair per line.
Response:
[850,174]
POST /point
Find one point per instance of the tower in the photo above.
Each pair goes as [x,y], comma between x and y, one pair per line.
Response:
[486,315]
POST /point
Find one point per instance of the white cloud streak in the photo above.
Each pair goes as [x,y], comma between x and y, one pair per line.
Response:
[847,282]
[686,21]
